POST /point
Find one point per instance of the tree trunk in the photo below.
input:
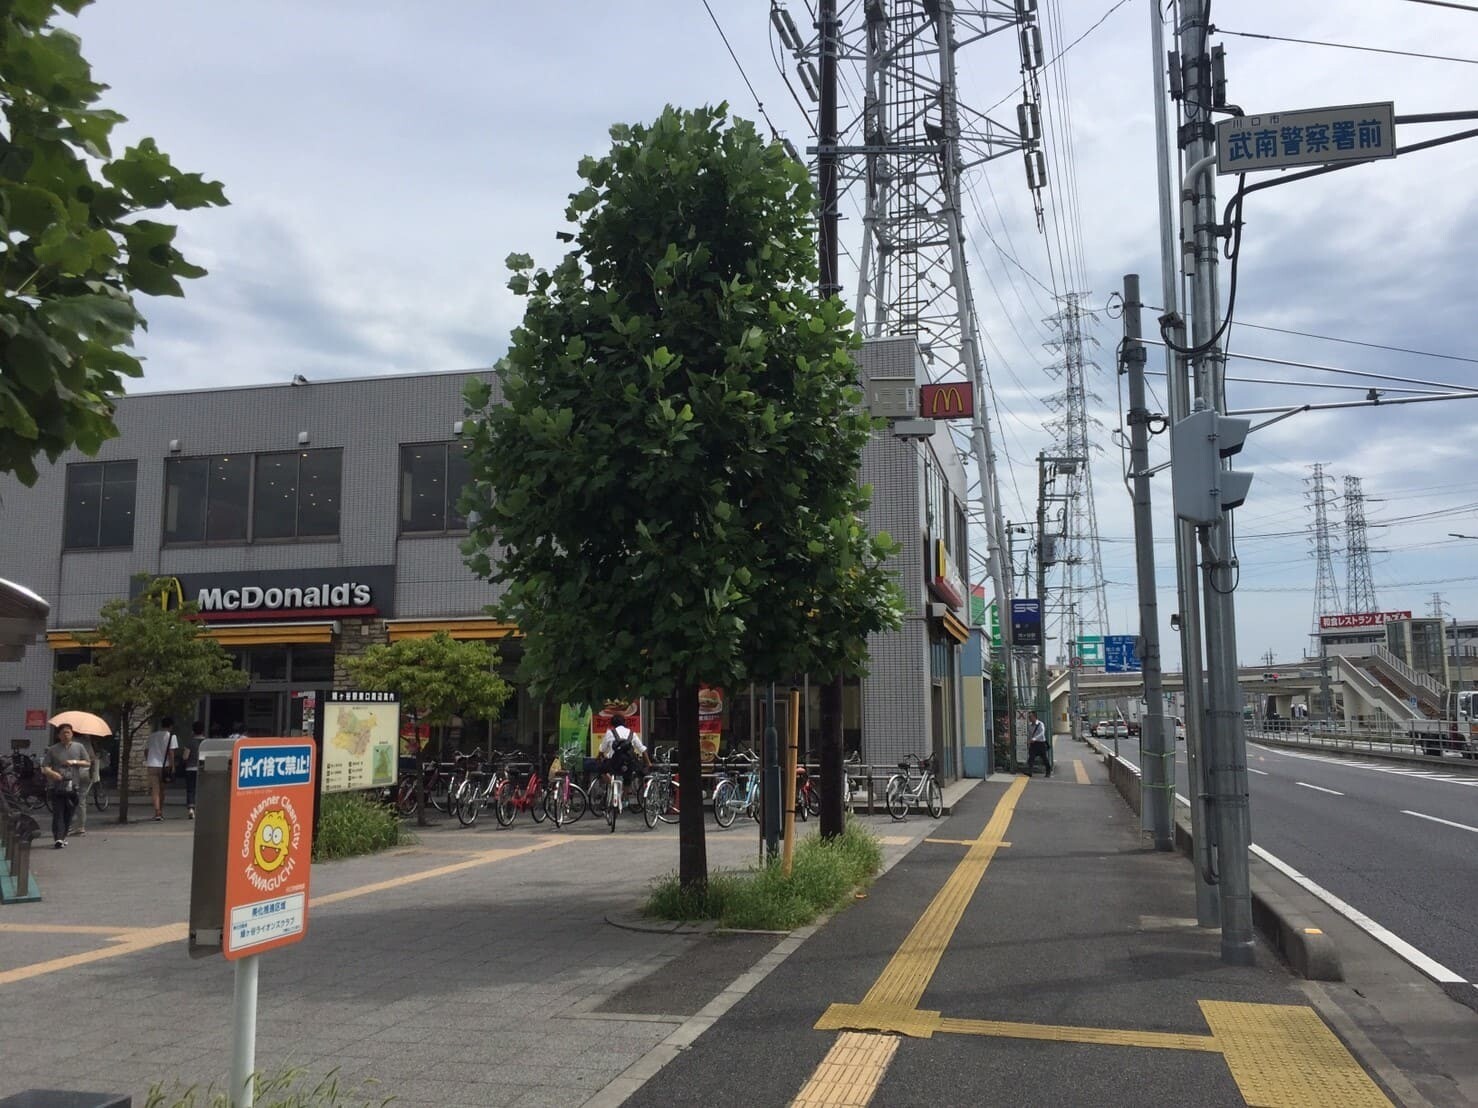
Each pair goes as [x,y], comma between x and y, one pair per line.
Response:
[125,755]
[421,820]
[833,808]
[692,866]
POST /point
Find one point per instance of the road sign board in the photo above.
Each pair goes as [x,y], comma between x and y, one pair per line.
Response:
[1090,649]
[269,845]
[1121,654]
[1026,622]
[1315,136]
[947,400]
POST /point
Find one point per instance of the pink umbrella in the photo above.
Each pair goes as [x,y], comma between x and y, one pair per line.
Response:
[84,723]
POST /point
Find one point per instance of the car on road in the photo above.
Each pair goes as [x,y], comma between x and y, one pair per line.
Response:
[1179,729]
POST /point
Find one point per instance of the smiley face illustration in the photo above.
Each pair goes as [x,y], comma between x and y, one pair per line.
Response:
[271,842]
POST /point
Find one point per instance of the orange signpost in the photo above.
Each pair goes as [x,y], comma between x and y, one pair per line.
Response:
[269,845]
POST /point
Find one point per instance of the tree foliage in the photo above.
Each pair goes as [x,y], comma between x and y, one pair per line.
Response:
[73,248]
[670,480]
[149,660]
[436,678]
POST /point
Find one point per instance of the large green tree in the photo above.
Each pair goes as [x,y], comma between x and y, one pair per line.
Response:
[436,678]
[149,660]
[667,487]
[74,250]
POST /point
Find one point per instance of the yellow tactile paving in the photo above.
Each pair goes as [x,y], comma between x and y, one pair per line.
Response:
[1054,1033]
[961,842]
[1284,1055]
[1080,771]
[849,1074]
[908,972]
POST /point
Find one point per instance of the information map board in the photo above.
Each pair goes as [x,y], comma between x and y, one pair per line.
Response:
[360,740]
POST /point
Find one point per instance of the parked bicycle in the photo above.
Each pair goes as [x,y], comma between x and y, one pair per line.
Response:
[513,796]
[904,790]
[659,793]
[739,791]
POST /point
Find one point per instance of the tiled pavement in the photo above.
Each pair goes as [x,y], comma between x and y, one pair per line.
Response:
[465,969]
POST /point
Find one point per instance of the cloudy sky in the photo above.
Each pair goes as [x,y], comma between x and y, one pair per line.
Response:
[383,158]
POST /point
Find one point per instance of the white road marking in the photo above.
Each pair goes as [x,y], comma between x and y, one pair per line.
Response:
[1435,819]
[1465,780]
[1259,772]
[1320,788]
[1428,965]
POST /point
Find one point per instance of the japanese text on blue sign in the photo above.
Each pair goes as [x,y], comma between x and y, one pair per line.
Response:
[1281,140]
[1121,654]
[267,767]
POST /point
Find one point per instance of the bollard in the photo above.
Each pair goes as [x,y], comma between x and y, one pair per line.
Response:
[21,866]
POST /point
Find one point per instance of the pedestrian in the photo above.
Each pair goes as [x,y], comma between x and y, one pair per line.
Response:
[89,779]
[192,763]
[62,766]
[160,748]
[1037,745]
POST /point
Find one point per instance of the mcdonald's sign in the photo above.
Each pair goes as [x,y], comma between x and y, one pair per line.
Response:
[171,593]
[947,400]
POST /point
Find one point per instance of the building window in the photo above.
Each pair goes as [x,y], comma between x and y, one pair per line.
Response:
[99,508]
[207,499]
[297,495]
[432,476]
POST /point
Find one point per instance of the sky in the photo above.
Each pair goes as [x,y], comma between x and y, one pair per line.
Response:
[382,159]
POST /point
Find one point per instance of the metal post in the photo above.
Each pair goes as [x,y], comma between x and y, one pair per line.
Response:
[1157,755]
[1188,590]
[1228,746]
[792,751]
[770,788]
[244,1033]
[1041,698]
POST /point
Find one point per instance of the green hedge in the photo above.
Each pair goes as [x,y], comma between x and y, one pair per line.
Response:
[825,874]
[352,823]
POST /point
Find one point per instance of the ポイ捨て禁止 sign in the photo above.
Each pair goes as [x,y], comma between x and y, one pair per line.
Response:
[1315,136]
[269,845]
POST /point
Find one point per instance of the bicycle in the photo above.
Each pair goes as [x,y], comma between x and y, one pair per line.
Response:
[659,797]
[737,792]
[564,801]
[511,799]
[904,790]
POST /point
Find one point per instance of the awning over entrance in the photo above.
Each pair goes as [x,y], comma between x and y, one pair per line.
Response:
[952,627]
[456,628]
[22,619]
[247,634]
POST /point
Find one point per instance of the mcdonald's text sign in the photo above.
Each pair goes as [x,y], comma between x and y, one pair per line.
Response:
[948,400]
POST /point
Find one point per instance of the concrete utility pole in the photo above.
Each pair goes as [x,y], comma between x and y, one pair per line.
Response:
[1188,588]
[1156,748]
[1228,751]
[1043,708]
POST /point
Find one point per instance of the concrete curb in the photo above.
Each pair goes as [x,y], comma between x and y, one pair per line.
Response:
[1307,950]
[1445,764]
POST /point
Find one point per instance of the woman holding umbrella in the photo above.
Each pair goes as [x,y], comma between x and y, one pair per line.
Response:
[63,766]
[87,729]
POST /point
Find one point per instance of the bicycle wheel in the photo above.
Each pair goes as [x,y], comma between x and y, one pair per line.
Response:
[578,804]
[100,797]
[438,794]
[405,798]
[469,803]
[669,812]
[934,798]
[536,811]
[897,801]
[505,809]
[613,804]
[724,809]
[813,800]
[556,805]
[653,798]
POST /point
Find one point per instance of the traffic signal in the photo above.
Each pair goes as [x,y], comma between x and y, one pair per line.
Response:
[1201,488]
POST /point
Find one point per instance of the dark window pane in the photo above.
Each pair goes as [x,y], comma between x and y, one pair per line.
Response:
[84,496]
[423,487]
[458,473]
[228,506]
[185,483]
[275,514]
[313,665]
[318,492]
[116,525]
[268,663]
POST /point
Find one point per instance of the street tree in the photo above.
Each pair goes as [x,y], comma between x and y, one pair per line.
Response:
[149,659]
[436,679]
[666,486]
[74,250]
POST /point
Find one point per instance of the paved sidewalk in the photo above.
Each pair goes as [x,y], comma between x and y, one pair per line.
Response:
[474,967]
[1034,952]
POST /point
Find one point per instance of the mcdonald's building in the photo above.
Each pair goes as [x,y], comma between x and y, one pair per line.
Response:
[309,522]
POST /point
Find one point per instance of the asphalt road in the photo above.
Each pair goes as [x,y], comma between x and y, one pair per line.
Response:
[1397,842]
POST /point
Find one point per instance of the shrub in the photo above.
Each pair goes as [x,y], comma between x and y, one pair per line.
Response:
[352,823]
[824,874]
[288,1089]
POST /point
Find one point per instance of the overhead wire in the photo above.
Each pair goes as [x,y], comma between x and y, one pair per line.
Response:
[758,103]
[1350,46]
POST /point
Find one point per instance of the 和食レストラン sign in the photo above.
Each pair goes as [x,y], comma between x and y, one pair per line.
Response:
[1316,136]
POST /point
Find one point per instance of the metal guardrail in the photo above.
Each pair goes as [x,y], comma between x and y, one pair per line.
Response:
[1407,674]
[1395,744]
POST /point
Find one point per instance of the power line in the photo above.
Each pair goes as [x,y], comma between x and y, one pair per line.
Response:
[758,103]
[1446,4]
[1349,46]
[1101,20]
[1348,342]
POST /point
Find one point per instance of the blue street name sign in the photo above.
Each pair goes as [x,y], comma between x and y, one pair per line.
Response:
[1121,654]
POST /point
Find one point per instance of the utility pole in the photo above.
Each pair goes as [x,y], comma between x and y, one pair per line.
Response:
[1157,749]
[1187,587]
[1042,707]
[833,816]
[1267,659]
[1074,662]
[1228,758]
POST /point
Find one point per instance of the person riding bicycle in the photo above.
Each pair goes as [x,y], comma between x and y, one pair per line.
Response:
[619,751]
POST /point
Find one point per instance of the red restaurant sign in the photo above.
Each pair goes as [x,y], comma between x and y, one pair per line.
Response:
[1360,619]
[950,400]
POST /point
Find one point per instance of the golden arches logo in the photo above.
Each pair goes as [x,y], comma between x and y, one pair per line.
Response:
[947,400]
[171,592]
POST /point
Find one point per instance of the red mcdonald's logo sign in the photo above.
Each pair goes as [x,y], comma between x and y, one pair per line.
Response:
[947,400]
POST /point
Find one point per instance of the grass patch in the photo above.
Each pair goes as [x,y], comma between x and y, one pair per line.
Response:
[290,1088]
[824,876]
[351,824]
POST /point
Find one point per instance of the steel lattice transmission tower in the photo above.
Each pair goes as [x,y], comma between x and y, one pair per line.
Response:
[1359,584]
[1082,554]
[902,154]
[1326,590]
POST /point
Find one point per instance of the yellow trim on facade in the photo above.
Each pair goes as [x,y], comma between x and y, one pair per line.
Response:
[456,628]
[954,628]
[251,634]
